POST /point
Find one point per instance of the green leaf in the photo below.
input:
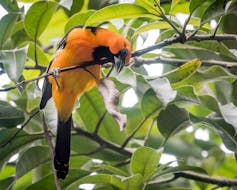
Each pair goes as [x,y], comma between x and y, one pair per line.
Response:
[47,183]
[134,182]
[183,71]
[10,6]
[216,9]
[117,11]
[172,119]
[163,90]
[14,62]
[177,169]
[100,179]
[31,158]
[7,183]
[88,146]
[33,97]
[210,102]
[78,19]
[144,161]
[41,57]
[10,116]
[92,102]
[21,140]
[151,26]
[208,75]
[223,91]
[111,169]
[38,17]
[150,104]
[7,24]
[187,93]
[174,4]
[229,112]
[225,130]
[194,4]
[149,5]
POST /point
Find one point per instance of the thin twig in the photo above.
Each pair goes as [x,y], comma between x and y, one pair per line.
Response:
[186,24]
[124,144]
[217,26]
[148,133]
[82,66]
[51,152]
[36,67]
[20,129]
[99,122]
[101,141]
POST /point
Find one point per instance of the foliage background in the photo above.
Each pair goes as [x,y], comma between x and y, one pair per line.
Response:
[193,97]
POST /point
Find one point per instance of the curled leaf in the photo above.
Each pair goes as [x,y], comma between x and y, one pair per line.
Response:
[110,95]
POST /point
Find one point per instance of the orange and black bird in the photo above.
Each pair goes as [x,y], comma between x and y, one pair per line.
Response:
[80,45]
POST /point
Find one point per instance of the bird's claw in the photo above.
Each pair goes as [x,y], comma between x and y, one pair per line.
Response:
[55,72]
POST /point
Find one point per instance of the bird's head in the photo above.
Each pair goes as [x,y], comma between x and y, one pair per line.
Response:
[121,49]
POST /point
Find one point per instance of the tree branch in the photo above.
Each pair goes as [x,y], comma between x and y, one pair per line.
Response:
[102,142]
[221,181]
[170,41]
[179,62]
[51,152]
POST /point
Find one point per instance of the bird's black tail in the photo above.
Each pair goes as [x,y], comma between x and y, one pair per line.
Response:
[62,148]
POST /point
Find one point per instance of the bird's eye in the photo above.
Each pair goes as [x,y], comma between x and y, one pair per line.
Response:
[123,52]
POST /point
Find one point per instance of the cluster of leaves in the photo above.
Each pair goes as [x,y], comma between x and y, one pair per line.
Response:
[201,96]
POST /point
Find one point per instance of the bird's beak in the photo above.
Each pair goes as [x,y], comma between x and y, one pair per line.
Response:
[120,59]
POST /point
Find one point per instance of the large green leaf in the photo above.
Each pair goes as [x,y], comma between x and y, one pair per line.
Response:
[31,158]
[134,182]
[207,75]
[10,146]
[172,119]
[111,169]
[183,71]
[194,4]
[7,24]
[163,90]
[41,57]
[38,17]
[10,6]
[78,19]
[150,104]
[47,183]
[9,115]
[100,179]
[224,129]
[14,62]
[151,26]
[91,110]
[150,6]
[144,161]
[229,112]
[214,10]
[117,11]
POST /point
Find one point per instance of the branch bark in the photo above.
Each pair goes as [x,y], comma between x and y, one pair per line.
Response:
[51,152]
